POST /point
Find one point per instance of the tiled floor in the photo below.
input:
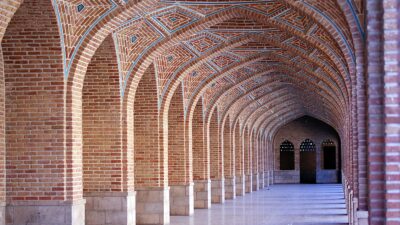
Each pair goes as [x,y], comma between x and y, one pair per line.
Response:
[280,205]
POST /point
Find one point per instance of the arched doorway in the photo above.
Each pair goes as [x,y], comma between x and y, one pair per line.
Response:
[286,155]
[329,155]
[307,162]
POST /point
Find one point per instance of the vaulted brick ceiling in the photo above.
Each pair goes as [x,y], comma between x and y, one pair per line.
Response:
[253,61]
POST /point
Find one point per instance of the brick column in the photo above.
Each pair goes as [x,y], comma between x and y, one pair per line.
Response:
[2,143]
[110,198]
[261,159]
[229,162]
[239,163]
[376,114]
[179,160]
[44,152]
[151,167]
[392,109]
[216,159]
[254,159]
[247,161]
[201,160]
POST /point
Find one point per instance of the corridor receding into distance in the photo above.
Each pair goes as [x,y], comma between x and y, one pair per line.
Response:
[283,204]
[199,112]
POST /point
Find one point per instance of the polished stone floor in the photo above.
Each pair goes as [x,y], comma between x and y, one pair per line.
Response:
[291,204]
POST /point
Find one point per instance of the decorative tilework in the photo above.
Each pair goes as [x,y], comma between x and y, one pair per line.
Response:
[170,63]
[224,60]
[207,10]
[75,21]
[194,79]
[80,7]
[270,8]
[295,20]
[217,88]
[203,43]
[132,41]
[174,19]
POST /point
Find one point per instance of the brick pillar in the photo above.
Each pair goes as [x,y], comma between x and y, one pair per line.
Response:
[392,108]
[216,159]
[247,161]
[239,169]
[179,159]
[201,159]
[109,200]
[254,159]
[151,168]
[376,114]
[229,162]
[2,143]
[260,161]
[44,172]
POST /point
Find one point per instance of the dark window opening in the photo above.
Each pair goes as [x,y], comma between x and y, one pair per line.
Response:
[307,146]
[329,152]
[287,156]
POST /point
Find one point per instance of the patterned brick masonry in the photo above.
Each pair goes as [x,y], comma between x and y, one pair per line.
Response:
[125,112]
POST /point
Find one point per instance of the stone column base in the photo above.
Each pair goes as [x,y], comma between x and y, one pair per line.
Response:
[256,182]
[271,177]
[230,188]
[2,213]
[261,180]
[217,191]
[249,183]
[181,200]
[202,194]
[266,179]
[110,208]
[240,188]
[152,205]
[46,213]
[362,217]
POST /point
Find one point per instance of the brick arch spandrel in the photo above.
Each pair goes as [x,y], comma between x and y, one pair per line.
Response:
[34,81]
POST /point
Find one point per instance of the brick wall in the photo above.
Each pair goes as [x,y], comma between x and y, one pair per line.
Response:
[146,133]
[102,158]
[216,153]
[2,132]
[201,168]
[239,154]
[376,143]
[246,152]
[178,158]
[36,166]
[392,107]
[229,154]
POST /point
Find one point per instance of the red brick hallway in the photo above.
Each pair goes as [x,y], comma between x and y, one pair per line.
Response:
[122,112]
